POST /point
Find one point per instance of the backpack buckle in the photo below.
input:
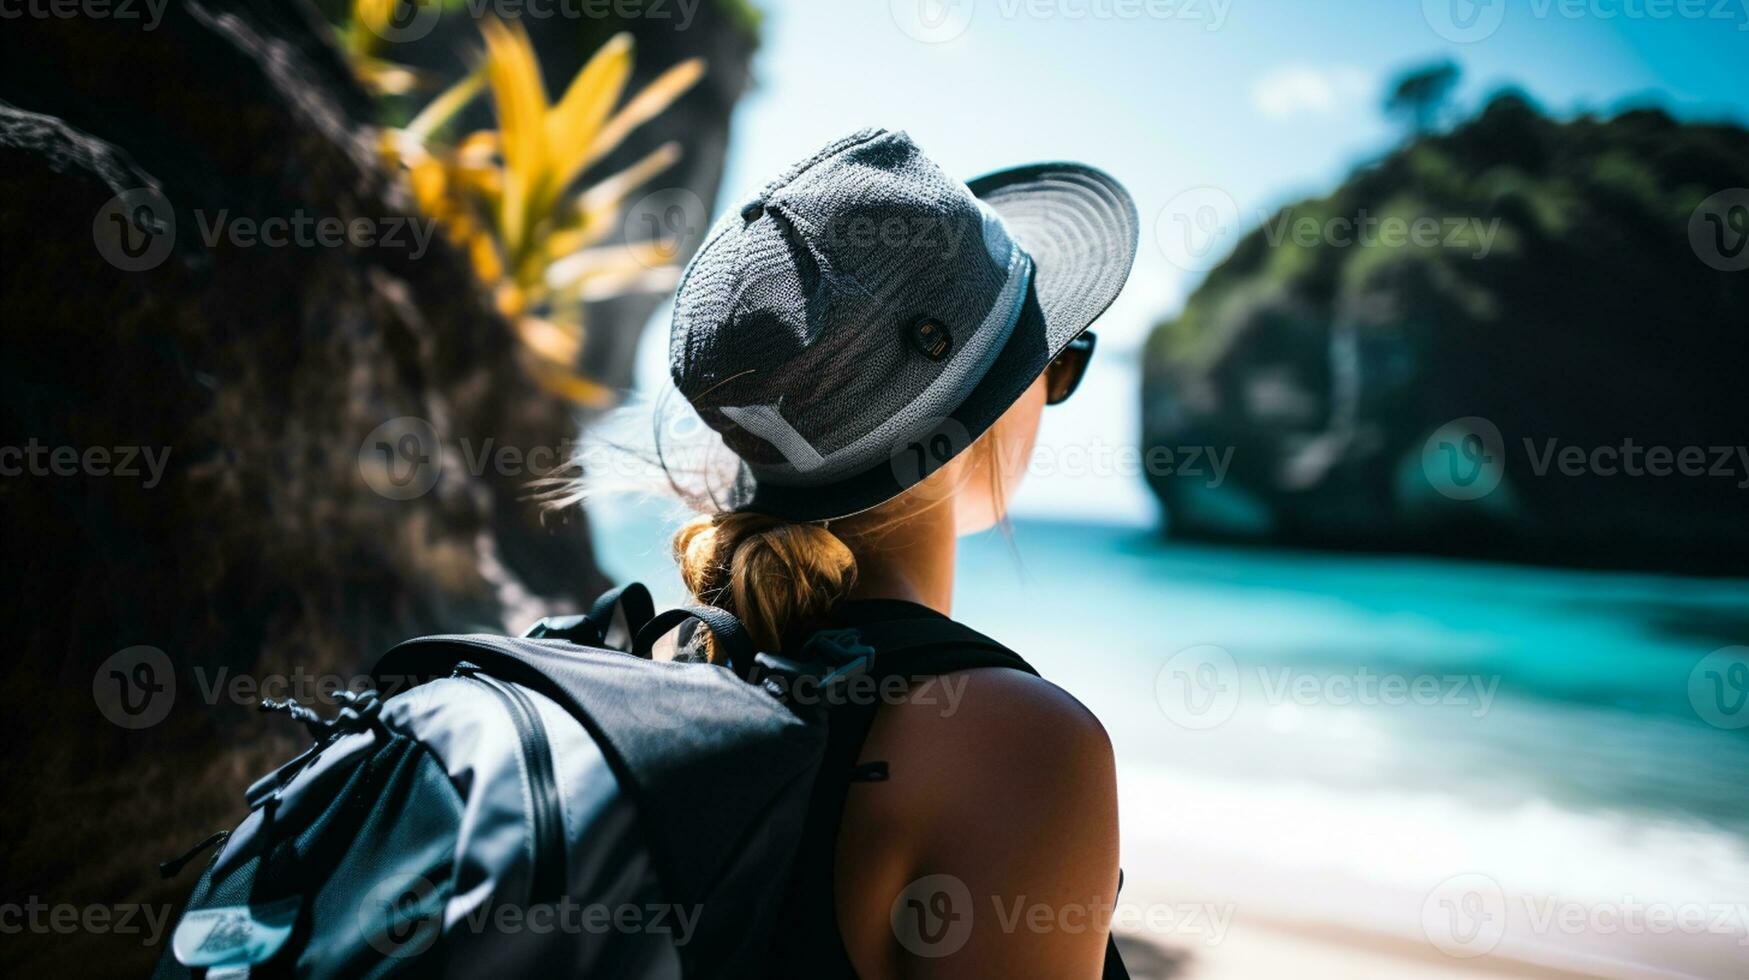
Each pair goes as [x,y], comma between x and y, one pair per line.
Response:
[829,661]
[837,647]
[580,630]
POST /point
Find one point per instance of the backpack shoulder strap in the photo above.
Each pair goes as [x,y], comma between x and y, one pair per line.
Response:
[927,647]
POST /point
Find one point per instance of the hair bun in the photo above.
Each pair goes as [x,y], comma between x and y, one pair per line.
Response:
[768,572]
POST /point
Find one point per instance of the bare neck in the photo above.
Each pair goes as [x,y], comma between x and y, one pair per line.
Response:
[913,561]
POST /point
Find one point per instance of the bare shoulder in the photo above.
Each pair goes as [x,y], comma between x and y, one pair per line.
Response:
[971,718]
[985,766]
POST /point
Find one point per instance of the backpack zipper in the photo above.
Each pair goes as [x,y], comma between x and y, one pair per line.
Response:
[548,819]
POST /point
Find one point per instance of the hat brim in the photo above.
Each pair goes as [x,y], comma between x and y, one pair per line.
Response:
[1080,227]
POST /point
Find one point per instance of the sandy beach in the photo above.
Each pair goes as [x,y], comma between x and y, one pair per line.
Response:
[1252,950]
[1204,898]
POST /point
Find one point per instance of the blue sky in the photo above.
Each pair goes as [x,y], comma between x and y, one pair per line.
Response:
[1266,100]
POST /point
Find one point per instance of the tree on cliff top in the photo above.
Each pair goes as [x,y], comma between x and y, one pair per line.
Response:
[1421,96]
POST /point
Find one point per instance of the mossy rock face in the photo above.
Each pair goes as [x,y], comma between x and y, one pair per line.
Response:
[265,545]
[1564,304]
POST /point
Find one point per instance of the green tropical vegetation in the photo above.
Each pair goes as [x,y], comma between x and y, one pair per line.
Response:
[1561,291]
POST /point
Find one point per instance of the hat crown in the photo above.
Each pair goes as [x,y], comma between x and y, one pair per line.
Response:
[844,309]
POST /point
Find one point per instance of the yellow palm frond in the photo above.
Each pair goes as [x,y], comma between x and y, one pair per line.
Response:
[445,107]
[620,262]
[478,150]
[501,195]
[554,341]
[521,100]
[569,385]
[646,105]
[385,77]
[661,279]
[609,192]
[572,126]
[369,19]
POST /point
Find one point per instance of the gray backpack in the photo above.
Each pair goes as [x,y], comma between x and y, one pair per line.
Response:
[552,804]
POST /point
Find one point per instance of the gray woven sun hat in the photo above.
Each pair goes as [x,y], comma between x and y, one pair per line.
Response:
[864,317]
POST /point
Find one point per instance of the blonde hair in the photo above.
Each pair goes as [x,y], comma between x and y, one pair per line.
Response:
[768,572]
[772,573]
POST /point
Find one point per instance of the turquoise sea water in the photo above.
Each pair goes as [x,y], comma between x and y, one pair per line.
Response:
[1380,724]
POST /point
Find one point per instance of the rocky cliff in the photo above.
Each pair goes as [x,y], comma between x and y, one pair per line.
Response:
[218,307]
[1523,338]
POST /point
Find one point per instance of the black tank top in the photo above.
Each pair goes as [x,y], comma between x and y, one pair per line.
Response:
[809,945]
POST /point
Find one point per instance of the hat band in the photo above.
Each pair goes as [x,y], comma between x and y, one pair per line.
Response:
[805,465]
